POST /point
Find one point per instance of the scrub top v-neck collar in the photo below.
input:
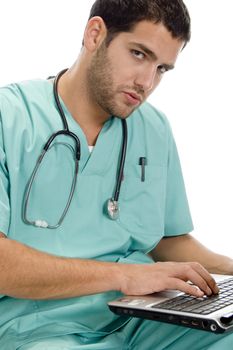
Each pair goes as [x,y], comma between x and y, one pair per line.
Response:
[107,147]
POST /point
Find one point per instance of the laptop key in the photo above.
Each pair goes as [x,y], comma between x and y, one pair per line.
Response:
[203,305]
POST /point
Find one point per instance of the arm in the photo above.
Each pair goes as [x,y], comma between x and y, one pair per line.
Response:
[186,248]
[31,274]
[28,273]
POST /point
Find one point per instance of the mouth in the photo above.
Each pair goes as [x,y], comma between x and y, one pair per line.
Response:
[132,98]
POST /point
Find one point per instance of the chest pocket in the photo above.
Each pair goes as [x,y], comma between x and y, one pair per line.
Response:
[142,202]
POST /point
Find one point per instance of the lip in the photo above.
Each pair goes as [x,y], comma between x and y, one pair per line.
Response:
[132,97]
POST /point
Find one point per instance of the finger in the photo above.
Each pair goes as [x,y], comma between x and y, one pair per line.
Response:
[178,284]
[198,281]
[193,273]
[210,281]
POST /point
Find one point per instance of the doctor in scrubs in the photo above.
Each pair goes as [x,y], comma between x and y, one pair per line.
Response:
[104,210]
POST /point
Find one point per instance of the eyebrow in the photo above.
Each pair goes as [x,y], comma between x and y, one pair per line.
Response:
[152,55]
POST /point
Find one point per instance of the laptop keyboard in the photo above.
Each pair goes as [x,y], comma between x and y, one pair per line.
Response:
[204,305]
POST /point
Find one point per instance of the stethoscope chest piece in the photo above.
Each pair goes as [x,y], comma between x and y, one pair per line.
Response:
[112,209]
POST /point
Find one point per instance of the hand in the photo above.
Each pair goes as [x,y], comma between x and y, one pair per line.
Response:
[149,278]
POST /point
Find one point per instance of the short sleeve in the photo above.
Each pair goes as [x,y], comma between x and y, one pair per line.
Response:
[177,214]
[4,186]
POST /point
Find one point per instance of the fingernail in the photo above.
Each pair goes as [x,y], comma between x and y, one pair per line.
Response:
[200,293]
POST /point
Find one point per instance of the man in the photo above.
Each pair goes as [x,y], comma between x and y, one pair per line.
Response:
[56,279]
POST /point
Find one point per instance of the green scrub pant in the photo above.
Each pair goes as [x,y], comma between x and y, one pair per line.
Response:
[140,335]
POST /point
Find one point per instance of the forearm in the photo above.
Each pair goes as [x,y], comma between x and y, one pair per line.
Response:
[186,248]
[31,274]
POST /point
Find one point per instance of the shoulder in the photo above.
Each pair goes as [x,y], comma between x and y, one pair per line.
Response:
[22,92]
[20,102]
[24,108]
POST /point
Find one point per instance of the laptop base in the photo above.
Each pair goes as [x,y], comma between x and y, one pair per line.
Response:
[181,320]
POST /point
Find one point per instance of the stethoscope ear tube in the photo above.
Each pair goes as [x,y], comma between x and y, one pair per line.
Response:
[56,97]
[67,133]
[29,187]
[42,223]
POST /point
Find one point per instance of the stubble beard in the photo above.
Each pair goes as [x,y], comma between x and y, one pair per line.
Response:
[101,85]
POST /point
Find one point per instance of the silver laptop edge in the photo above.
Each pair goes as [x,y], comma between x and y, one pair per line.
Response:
[145,307]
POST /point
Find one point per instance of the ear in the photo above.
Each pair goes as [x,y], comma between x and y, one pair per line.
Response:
[95,33]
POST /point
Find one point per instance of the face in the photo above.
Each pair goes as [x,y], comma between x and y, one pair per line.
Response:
[121,76]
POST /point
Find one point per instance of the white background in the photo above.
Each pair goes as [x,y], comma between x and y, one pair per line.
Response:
[39,38]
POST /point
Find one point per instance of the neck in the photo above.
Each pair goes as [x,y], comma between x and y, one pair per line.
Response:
[86,113]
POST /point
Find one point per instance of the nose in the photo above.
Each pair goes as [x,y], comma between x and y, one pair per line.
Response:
[146,79]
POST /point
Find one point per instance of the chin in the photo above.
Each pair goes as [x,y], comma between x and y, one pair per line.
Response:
[123,114]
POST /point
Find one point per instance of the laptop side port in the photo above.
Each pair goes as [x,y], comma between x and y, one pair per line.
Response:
[205,324]
[185,322]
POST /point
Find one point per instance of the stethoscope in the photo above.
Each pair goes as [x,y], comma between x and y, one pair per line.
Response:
[112,206]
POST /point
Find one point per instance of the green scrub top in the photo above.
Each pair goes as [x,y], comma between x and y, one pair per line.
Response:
[149,210]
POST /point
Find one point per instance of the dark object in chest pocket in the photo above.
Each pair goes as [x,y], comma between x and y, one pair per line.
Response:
[142,202]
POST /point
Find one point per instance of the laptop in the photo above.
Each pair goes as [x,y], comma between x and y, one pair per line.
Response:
[214,313]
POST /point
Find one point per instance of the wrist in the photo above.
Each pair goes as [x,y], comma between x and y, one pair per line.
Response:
[116,276]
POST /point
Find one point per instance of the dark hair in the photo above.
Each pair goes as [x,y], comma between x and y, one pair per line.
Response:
[123,15]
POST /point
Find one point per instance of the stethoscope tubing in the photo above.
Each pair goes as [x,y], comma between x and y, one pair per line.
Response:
[112,213]
[122,161]
[42,223]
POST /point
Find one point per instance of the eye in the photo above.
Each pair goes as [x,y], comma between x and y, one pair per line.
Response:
[138,54]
